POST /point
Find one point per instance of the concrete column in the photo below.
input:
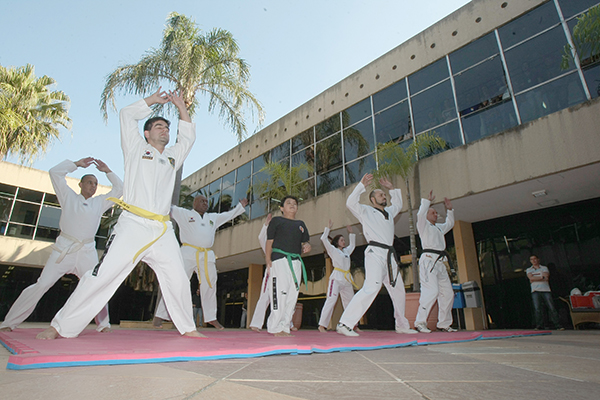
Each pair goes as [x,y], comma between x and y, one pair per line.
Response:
[255,275]
[468,270]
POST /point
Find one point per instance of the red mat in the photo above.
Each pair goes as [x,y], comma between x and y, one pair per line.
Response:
[124,346]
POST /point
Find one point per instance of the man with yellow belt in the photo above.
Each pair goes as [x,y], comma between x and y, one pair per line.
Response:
[144,231]
[197,230]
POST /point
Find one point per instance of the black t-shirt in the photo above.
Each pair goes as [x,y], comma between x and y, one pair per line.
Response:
[287,235]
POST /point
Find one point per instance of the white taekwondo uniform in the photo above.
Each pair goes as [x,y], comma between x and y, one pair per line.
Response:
[258,318]
[378,229]
[435,282]
[75,249]
[149,183]
[199,231]
[340,281]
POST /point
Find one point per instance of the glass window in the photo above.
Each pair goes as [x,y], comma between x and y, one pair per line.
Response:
[330,181]
[487,121]
[25,213]
[390,95]
[572,7]
[393,123]
[244,171]
[203,192]
[21,231]
[213,203]
[356,169]
[302,140]
[306,189]
[329,153]
[528,25]
[356,113]
[227,199]
[259,162]
[49,217]
[2,228]
[259,208]
[280,152]
[592,78]
[473,53]
[358,140]
[30,195]
[306,156]
[51,199]
[241,190]
[46,234]
[450,133]
[229,179]
[429,106]
[5,205]
[7,190]
[480,86]
[428,76]
[214,187]
[328,127]
[549,98]
[537,60]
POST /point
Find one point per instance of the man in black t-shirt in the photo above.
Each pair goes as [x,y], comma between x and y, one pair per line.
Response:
[287,238]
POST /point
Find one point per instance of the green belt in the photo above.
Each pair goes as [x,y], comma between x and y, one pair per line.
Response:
[289,259]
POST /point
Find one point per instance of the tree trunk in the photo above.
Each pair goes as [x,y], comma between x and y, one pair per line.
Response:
[413,241]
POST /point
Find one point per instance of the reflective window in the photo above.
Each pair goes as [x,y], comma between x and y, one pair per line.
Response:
[213,203]
[537,60]
[528,25]
[592,78]
[356,113]
[49,234]
[572,7]
[329,153]
[7,190]
[259,162]
[428,76]
[227,199]
[429,106]
[328,127]
[241,190]
[51,199]
[390,95]
[306,156]
[358,140]
[330,181]
[258,179]
[306,189]
[21,231]
[229,179]
[450,133]
[481,86]
[25,213]
[49,217]
[356,169]
[30,195]
[549,98]
[259,208]
[393,123]
[5,205]
[244,171]
[280,152]
[302,140]
[486,121]
[214,187]
[473,53]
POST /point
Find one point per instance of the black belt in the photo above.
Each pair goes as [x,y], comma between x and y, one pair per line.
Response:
[391,252]
[440,253]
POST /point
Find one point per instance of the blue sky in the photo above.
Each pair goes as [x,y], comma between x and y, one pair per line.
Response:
[296,50]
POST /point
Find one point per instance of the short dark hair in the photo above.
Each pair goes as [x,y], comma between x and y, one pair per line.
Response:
[150,123]
[336,241]
[288,197]
[86,175]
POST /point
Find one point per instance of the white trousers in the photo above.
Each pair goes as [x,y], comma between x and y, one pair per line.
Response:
[283,294]
[208,295]
[131,234]
[337,285]
[258,318]
[77,263]
[435,285]
[376,273]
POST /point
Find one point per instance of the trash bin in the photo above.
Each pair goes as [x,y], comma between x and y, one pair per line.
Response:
[472,294]
[459,296]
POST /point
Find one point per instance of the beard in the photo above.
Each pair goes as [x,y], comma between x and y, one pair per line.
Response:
[383,203]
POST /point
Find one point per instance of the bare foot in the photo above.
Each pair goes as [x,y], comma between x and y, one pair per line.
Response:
[6,329]
[48,334]
[356,329]
[282,334]
[157,323]
[322,329]
[106,330]
[193,334]
[255,329]
[217,325]
[294,328]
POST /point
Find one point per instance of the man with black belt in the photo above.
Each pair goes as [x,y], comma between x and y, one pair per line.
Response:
[381,265]
[435,282]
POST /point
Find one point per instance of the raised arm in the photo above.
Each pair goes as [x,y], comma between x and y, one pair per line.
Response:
[396,197]
[449,223]
[231,214]
[58,175]
[352,239]
[117,184]
[422,215]
[353,201]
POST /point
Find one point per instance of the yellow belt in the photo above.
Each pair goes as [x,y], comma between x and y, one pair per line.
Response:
[198,250]
[140,212]
[347,275]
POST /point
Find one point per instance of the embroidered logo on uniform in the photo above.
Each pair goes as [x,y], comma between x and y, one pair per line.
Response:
[85,204]
[191,219]
[161,161]
[148,155]
[211,223]
[301,228]
[172,161]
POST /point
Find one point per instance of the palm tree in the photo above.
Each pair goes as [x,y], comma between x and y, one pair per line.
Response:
[396,160]
[586,38]
[30,113]
[281,181]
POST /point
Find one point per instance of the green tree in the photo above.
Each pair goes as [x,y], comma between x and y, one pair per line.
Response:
[586,38]
[30,113]
[281,180]
[396,160]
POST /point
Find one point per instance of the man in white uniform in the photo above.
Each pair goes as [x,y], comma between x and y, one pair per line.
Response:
[75,249]
[435,282]
[380,257]
[144,231]
[197,230]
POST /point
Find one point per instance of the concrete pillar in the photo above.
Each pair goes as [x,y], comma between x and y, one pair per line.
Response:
[255,275]
[468,270]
